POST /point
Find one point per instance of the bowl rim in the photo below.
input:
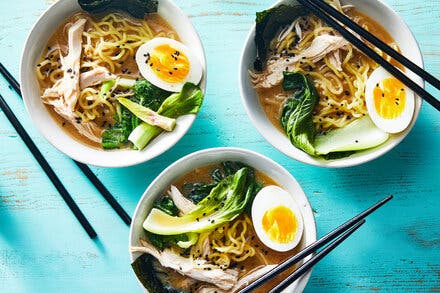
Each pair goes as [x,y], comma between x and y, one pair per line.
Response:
[293,152]
[97,156]
[297,286]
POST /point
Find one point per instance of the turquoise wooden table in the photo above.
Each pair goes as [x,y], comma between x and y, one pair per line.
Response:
[44,249]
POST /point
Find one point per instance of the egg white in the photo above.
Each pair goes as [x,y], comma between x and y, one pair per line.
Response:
[267,198]
[195,71]
[397,124]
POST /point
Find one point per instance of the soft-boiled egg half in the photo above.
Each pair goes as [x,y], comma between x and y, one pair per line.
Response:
[168,64]
[277,218]
[390,103]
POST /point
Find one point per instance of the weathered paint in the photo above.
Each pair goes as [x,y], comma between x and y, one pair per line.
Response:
[44,249]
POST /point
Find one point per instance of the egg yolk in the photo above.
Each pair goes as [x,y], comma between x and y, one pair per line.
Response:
[169,64]
[389,98]
[280,224]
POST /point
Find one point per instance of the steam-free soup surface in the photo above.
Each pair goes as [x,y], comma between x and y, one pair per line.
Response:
[121,65]
[263,255]
[272,99]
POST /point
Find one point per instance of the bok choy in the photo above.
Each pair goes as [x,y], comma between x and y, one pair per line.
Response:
[296,117]
[147,115]
[225,202]
[188,101]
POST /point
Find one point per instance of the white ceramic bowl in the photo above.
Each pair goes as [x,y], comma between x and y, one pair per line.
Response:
[217,155]
[37,40]
[409,47]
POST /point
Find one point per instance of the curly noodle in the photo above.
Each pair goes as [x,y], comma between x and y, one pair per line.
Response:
[109,42]
[342,97]
[227,244]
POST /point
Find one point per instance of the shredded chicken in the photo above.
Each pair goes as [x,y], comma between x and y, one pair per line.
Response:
[89,130]
[321,46]
[63,95]
[182,203]
[223,279]
[335,59]
[242,282]
[57,47]
[169,276]
[95,76]
[209,289]
[252,276]
[206,248]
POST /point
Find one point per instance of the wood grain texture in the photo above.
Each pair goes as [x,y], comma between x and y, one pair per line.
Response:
[44,249]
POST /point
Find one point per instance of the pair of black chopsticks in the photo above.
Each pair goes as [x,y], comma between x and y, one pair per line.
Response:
[49,171]
[332,17]
[340,234]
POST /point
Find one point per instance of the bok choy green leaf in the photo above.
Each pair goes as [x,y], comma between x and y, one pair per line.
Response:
[147,115]
[297,113]
[145,94]
[225,202]
[188,101]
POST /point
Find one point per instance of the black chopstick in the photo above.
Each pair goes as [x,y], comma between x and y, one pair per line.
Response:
[314,246]
[105,193]
[84,168]
[377,42]
[47,169]
[318,11]
[12,81]
[314,260]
